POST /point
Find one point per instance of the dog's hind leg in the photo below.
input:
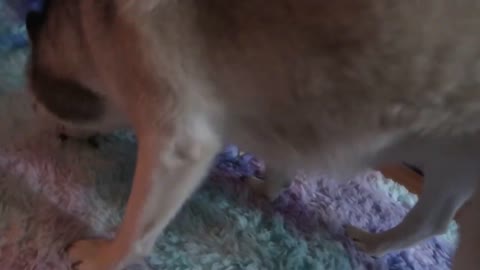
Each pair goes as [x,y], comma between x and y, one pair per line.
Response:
[447,187]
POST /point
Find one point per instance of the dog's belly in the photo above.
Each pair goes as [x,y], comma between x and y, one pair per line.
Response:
[297,143]
[274,143]
[301,142]
[427,151]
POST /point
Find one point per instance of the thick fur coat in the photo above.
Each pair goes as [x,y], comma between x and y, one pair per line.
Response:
[330,85]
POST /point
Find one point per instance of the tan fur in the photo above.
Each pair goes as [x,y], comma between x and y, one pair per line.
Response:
[467,258]
[336,85]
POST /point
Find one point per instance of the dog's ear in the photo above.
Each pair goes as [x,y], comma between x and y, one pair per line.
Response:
[33,23]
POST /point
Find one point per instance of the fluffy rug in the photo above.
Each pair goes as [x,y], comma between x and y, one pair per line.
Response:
[52,193]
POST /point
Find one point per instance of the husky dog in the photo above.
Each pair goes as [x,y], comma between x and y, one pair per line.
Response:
[337,85]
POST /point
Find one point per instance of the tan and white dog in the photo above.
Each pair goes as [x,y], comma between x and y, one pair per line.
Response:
[341,85]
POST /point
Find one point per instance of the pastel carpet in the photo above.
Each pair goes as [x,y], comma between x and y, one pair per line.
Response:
[52,193]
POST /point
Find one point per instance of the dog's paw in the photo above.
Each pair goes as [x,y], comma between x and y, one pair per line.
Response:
[92,255]
[367,242]
[256,184]
[261,188]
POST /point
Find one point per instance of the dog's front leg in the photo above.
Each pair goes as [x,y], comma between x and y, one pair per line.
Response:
[173,158]
[467,257]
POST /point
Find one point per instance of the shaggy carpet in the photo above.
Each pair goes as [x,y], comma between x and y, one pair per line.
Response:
[53,192]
